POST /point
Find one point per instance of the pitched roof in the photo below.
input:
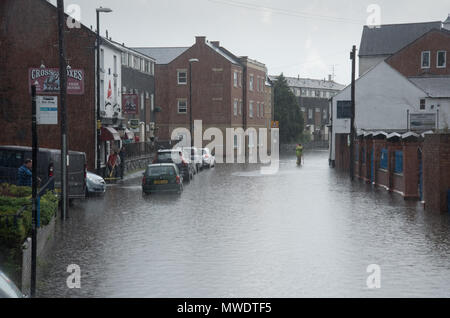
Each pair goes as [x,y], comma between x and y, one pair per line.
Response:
[434,86]
[163,55]
[390,38]
[224,52]
[310,83]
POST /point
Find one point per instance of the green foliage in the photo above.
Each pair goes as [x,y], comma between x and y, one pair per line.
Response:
[14,231]
[287,112]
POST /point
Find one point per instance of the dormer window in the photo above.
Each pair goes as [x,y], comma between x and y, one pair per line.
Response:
[426,59]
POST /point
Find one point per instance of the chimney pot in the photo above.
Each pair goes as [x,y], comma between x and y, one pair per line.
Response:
[215,43]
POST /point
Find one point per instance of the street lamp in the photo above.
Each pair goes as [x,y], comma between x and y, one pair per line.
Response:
[193,60]
[98,10]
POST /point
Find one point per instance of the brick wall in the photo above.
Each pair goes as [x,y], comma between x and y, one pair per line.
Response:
[436,158]
[29,38]
[408,60]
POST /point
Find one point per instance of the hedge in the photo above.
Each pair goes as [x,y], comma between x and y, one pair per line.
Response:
[14,230]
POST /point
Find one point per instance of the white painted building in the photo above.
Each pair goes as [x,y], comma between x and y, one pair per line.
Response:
[384,98]
[110,81]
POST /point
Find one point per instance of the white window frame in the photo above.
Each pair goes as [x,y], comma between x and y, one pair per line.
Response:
[445,59]
[178,77]
[422,59]
[235,79]
[251,80]
[250,109]
[235,107]
[178,106]
[262,110]
[310,113]
[240,107]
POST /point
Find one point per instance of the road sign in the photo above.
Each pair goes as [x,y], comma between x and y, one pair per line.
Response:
[422,121]
[47,110]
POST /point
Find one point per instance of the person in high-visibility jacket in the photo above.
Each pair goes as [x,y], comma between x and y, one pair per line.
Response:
[299,153]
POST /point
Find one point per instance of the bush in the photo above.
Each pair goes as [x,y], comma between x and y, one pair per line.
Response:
[14,230]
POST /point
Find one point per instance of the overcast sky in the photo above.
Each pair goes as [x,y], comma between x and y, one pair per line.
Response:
[296,37]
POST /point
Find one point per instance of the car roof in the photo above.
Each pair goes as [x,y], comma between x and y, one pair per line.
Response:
[162,165]
[169,150]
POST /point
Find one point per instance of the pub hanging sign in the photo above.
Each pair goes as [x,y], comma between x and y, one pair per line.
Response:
[47,80]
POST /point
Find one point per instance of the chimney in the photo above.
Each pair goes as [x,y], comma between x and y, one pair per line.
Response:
[329,78]
[215,43]
[200,39]
[446,23]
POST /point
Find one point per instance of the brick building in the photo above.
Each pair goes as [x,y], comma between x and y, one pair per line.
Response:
[35,45]
[426,56]
[313,96]
[227,91]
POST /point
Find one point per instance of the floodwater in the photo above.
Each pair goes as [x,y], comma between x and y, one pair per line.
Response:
[304,232]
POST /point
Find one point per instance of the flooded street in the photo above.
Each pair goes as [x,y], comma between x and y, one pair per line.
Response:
[304,232]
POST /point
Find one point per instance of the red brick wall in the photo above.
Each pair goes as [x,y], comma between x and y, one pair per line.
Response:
[436,158]
[408,60]
[28,38]
[342,152]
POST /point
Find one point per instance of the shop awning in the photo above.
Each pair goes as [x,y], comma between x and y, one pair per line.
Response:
[129,135]
[109,134]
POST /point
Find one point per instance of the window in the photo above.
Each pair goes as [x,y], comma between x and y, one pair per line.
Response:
[422,104]
[250,112]
[384,159]
[310,113]
[240,107]
[325,115]
[235,141]
[398,162]
[426,59]
[257,84]
[313,93]
[240,79]
[102,59]
[257,109]
[251,82]
[182,106]
[262,110]
[235,79]
[317,110]
[182,77]
[328,94]
[344,109]
[115,65]
[130,60]
[441,59]
[303,109]
[124,59]
[303,92]
[235,107]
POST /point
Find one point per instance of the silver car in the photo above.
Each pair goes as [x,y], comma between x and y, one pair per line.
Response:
[95,184]
[209,161]
[8,289]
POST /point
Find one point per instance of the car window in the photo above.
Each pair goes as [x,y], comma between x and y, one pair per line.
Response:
[160,171]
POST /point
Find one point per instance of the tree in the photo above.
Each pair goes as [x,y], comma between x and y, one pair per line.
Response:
[287,112]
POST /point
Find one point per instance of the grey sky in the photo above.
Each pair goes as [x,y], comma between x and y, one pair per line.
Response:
[293,37]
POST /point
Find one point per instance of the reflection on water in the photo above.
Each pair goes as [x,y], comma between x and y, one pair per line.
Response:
[305,232]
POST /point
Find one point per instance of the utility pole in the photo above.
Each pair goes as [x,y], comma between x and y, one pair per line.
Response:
[63,95]
[98,95]
[34,192]
[353,115]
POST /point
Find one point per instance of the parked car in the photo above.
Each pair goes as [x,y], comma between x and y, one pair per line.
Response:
[176,156]
[163,177]
[49,165]
[208,159]
[195,156]
[8,289]
[94,184]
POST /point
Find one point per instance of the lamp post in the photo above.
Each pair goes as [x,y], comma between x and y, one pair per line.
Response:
[98,10]
[194,60]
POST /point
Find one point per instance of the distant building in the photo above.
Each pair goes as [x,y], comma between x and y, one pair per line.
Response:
[314,96]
